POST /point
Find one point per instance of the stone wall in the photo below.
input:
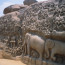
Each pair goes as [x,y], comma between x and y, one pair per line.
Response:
[45,21]
[41,29]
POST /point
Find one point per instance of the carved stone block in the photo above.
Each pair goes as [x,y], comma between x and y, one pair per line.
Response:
[29,61]
[38,62]
[33,61]
[25,59]
[44,63]
[52,63]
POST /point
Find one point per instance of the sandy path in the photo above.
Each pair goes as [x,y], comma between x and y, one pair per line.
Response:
[10,62]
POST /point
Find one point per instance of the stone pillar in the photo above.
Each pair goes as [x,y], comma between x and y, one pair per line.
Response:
[29,2]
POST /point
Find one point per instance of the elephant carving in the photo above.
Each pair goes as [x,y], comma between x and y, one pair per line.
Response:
[35,42]
[56,47]
[57,35]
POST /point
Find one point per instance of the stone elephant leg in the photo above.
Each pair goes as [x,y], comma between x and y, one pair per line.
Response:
[52,55]
[25,49]
[40,56]
[47,52]
[28,49]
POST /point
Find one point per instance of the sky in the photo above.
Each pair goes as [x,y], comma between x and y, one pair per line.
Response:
[6,3]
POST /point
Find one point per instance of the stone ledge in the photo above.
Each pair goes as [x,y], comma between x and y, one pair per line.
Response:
[32,61]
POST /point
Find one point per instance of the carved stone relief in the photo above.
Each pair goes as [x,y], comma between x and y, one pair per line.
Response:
[49,49]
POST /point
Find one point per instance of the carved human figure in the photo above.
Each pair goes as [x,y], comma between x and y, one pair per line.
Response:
[35,42]
[56,47]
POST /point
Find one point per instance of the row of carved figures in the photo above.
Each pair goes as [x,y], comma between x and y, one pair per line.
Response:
[46,48]
[12,41]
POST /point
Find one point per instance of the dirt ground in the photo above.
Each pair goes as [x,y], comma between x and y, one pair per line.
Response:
[10,62]
[5,59]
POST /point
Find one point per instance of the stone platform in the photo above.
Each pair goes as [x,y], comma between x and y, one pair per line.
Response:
[32,61]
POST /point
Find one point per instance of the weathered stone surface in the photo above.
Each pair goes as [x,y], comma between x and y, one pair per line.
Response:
[29,62]
[58,1]
[9,25]
[25,59]
[38,62]
[13,8]
[44,18]
[44,63]
[47,19]
[52,63]
[12,20]
[33,61]
[29,2]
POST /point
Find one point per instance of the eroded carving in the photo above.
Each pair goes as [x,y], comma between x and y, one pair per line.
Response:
[34,42]
[48,49]
[39,34]
[54,47]
[34,54]
[57,35]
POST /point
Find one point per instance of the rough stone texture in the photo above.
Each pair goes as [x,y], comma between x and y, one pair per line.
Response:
[10,26]
[58,1]
[29,2]
[29,61]
[12,20]
[25,59]
[41,19]
[13,8]
[44,63]
[33,61]
[38,62]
